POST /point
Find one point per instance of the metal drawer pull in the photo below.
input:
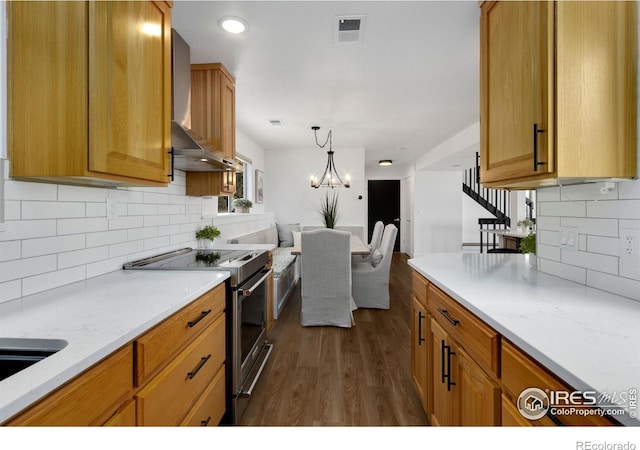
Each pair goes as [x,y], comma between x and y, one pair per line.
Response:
[203,314]
[420,318]
[449,382]
[203,361]
[205,423]
[446,315]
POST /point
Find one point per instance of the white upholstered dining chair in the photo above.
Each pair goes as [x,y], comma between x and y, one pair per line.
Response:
[326,278]
[371,280]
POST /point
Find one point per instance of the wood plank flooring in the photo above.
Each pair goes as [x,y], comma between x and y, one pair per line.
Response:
[329,376]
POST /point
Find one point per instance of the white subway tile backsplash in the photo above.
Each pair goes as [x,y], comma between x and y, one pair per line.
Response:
[587,191]
[10,290]
[548,237]
[135,234]
[24,190]
[622,209]
[81,257]
[187,239]
[158,242]
[168,230]
[22,268]
[126,222]
[153,221]
[600,227]
[25,229]
[603,245]
[568,272]
[141,209]
[52,210]
[547,223]
[125,248]
[548,252]
[562,209]
[125,195]
[10,250]
[39,283]
[12,210]
[86,225]
[51,245]
[81,194]
[106,238]
[594,261]
[152,197]
[550,194]
[617,285]
[106,266]
[629,189]
[96,210]
[170,209]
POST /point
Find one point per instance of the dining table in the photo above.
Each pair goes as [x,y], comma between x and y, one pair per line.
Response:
[357,247]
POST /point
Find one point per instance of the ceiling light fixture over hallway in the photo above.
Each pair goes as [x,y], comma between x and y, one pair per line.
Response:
[330,177]
[233,25]
[385,162]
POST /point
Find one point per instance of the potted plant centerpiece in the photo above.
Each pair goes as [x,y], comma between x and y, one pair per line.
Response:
[206,235]
[528,247]
[242,205]
[329,210]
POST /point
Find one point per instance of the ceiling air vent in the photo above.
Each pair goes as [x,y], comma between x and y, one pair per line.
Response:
[349,28]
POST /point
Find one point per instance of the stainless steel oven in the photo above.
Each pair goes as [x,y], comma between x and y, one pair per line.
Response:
[247,345]
[250,336]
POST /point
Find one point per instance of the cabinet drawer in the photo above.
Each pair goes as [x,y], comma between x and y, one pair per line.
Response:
[420,284]
[479,340]
[208,411]
[520,372]
[87,399]
[156,346]
[125,416]
[167,398]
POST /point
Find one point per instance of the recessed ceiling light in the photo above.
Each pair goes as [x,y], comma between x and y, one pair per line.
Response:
[233,25]
[385,162]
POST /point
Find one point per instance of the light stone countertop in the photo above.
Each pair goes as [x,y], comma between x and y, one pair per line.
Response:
[96,317]
[587,337]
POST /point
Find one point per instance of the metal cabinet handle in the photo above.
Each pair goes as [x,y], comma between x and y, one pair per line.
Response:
[442,358]
[203,314]
[173,160]
[202,362]
[420,319]
[449,354]
[536,131]
[205,423]
[446,315]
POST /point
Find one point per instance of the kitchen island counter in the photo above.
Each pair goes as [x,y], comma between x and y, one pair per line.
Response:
[96,317]
[587,337]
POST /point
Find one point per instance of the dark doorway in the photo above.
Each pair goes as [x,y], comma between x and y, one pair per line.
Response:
[384,205]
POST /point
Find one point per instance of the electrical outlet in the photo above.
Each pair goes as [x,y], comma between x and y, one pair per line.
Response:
[569,238]
[112,208]
[630,244]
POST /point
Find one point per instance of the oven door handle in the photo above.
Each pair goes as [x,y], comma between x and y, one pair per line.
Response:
[247,292]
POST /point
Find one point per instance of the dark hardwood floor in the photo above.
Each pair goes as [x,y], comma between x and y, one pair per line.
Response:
[329,376]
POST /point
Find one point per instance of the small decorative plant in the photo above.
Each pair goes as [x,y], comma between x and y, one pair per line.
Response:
[208,232]
[528,244]
[525,223]
[242,202]
[329,210]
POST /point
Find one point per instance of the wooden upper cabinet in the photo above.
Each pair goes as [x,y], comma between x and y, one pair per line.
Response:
[213,113]
[89,94]
[558,92]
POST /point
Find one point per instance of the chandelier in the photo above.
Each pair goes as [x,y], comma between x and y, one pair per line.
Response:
[330,177]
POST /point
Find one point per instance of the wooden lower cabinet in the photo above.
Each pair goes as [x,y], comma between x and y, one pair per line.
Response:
[443,373]
[210,408]
[92,398]
[180,372]
[478,395]
[170,395]
[125,416]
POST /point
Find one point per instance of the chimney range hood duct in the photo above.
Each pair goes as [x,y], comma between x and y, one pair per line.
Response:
[192,153]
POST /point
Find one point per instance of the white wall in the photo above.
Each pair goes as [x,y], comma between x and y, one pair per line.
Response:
[289,195]
[437,218]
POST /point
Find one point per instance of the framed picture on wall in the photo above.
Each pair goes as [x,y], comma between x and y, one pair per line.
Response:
[259,186]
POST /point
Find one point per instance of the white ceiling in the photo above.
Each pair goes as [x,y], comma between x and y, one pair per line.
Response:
[408,86]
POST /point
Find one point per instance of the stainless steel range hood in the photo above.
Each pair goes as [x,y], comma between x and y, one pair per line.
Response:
[192,153]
